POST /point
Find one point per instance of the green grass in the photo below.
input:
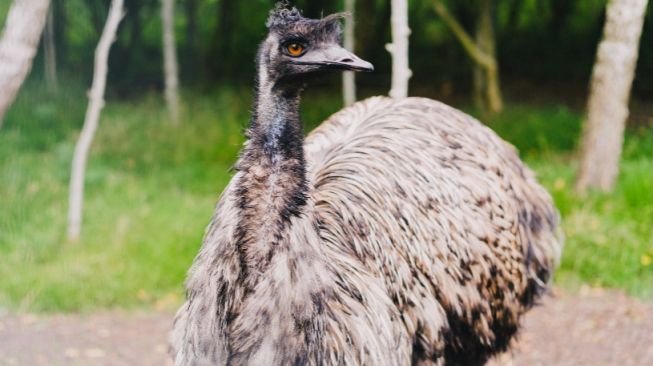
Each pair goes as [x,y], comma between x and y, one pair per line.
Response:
[608,236]
[151,188]
[150,191]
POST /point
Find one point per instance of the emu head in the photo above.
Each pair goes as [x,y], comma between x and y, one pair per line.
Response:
[297,48]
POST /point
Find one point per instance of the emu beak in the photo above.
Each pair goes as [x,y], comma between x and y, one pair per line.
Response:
[336,57]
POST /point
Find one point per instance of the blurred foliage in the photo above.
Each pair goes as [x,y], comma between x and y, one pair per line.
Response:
[538,41]
[151,189]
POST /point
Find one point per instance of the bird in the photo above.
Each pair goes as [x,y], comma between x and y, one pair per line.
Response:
[398,232]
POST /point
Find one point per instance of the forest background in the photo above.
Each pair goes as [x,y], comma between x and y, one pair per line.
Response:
[151,184]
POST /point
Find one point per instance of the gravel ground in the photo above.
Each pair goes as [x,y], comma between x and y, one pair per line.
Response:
[593,327]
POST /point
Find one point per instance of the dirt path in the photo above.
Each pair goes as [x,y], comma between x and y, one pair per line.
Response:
[594,327]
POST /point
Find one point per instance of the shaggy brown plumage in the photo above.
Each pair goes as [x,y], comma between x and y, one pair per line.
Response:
[401,232]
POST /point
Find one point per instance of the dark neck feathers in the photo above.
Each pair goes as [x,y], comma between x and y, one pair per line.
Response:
[272,187]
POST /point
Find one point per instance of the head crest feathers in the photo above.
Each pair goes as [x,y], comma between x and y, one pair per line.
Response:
[283,15]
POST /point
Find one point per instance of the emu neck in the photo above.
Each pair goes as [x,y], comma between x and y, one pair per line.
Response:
[272,188]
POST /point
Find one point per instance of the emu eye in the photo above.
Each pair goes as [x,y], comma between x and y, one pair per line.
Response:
[295,49]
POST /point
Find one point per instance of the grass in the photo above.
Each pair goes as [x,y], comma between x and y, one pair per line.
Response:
[151,188]
[608,236]
[150,191]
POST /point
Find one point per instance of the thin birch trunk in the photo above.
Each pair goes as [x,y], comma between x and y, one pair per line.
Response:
[170,60]
[18,46]
[50,53]
[96,102]
[348,78]
[486,59]
[399,49]
[487,93]
[607,107]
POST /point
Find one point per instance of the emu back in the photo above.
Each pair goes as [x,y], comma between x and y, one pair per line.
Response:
[443,211]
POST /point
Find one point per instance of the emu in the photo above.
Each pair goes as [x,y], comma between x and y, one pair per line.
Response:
[401,232]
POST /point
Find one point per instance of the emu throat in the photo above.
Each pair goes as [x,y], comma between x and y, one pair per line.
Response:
[272,187]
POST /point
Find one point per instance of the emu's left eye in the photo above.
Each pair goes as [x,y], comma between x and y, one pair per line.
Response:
[295,49]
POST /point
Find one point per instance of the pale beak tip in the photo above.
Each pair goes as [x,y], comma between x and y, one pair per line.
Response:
[359,65]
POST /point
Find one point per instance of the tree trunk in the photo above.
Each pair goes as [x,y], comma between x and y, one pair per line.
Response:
[50,53]
[18,46]
[484,59]
[479,73]
[170,60]
[348,78]
[487,93]
[607,108]
[399,49]
[96,102]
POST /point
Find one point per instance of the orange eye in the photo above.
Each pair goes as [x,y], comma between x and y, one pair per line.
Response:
[295,49]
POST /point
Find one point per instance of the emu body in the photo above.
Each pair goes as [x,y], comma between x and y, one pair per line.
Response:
[400,232]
